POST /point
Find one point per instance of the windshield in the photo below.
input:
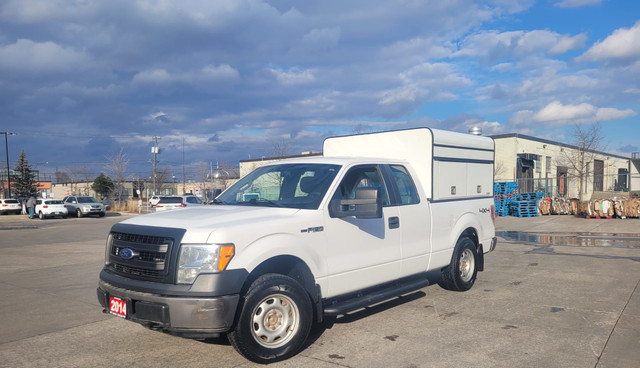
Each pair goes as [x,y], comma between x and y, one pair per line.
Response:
[87,200]
[288,185]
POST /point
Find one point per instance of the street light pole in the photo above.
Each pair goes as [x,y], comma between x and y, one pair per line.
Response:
[6,144]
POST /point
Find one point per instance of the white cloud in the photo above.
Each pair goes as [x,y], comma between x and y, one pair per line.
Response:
[209,72]
[223,71]
[496,45]
[36,57]
[293,76]
[322,38]
[21,11]
[555,113]
[155,76]
[404,94]
[624,43]
[577,3]
[567,43]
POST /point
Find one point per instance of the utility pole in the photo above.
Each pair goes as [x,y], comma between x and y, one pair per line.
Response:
[6,143]
[184,179]
[155,150]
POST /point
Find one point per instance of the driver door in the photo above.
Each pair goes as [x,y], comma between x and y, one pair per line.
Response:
[362,252]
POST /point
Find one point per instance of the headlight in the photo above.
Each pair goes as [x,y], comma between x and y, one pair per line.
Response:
[86,208]
[202,258]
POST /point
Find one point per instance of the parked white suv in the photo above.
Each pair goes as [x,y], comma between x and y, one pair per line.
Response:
[10,205]
[50,208]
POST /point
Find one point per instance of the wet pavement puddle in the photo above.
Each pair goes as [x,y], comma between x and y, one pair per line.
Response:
[581,239]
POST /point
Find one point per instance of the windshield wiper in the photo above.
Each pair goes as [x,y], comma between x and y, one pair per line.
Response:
[261,201]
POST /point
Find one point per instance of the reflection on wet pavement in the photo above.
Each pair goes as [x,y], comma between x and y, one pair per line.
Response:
[574,239]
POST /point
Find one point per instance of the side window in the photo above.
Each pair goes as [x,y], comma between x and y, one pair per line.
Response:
[406,187]
[362,177]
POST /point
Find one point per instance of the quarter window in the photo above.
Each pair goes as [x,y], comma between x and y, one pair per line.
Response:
[408,192]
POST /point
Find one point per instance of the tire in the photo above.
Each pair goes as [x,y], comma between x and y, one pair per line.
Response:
[461,274]
[79,213]
[101,214]
[41,215]
[274,320]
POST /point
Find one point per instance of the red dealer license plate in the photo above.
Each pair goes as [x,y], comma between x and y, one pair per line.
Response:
[118,307]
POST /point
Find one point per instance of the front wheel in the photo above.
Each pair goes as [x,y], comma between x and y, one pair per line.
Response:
[460,275]
[274,321]
[79,213]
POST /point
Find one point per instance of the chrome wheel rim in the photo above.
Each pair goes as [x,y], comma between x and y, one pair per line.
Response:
[467,265]
[274,321]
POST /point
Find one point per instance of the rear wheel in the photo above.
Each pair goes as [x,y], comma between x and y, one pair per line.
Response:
[461,274]
[41,215]
[274,321]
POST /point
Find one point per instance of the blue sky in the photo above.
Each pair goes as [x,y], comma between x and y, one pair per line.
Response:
[234,79]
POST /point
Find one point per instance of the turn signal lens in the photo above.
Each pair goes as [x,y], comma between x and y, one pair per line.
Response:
[226,253]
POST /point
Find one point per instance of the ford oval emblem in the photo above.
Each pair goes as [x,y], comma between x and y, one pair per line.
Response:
[127,253]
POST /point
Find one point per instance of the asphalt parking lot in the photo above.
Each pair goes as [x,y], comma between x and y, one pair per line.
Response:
[558,292]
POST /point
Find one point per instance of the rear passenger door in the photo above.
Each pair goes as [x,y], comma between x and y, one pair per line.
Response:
[414,220]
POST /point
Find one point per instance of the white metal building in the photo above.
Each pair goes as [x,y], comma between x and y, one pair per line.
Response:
[543,165]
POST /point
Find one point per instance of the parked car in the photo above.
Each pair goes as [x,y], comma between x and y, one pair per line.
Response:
[83,206]
[50,208]
[10,205]
[191,200]
[154,200]
[169,203]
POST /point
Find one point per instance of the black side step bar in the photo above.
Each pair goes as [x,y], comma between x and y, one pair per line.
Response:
[377,295]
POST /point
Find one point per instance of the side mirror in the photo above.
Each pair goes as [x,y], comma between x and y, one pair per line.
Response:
[366,205]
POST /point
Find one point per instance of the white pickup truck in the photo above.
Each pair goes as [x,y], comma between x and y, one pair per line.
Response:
[301,239]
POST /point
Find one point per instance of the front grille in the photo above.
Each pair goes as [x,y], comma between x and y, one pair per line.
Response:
[135,271]
[146,258]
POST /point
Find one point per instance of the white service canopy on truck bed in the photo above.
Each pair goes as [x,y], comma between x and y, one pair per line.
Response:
[449,165]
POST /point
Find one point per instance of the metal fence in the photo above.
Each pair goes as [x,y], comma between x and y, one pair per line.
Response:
[568,185]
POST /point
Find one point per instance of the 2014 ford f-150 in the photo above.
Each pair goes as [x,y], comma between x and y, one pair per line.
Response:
[300,239]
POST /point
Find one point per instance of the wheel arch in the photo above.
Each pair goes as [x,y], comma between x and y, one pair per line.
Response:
[294,267]
[472,234]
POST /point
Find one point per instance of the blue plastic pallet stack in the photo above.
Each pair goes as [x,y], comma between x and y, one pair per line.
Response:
[525,204]
[503,195]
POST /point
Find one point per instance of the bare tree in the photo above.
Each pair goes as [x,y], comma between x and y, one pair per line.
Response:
[281,148]
[85,175]
[62,177]
[74,173]
[498,169]
[117,168]
[205,174]
[163,179]
[587,141]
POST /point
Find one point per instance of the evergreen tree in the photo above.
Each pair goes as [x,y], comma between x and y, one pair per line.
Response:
[102,185]
[25,185]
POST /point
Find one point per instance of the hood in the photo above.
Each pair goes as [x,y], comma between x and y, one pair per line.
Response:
[201,221]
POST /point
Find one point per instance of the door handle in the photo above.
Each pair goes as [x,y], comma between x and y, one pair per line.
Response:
[394,222]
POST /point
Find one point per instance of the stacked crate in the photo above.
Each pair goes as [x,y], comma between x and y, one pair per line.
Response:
[503,194]
[525,204]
